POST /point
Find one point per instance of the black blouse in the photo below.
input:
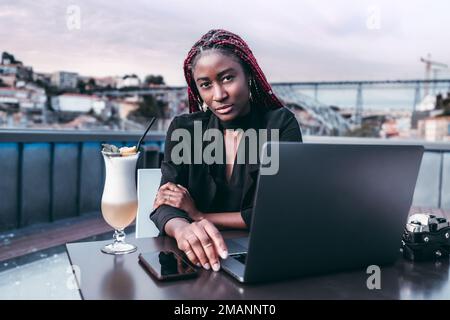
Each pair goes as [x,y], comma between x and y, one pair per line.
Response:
[228,196]
[207,183]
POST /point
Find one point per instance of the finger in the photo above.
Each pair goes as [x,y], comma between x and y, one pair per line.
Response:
[172,186]
[169,186]
[208,247]
[167,193]
[198,250]
[171,200]
[217,238]
[165,186]
[158,201]
[183,188]
[184,191]
[189,253]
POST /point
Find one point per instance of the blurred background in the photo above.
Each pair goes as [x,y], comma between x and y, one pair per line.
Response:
[354,68]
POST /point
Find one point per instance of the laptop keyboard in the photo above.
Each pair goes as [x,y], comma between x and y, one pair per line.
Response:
[240,257]
[237,246]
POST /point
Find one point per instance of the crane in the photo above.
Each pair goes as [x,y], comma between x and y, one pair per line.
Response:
[428,68]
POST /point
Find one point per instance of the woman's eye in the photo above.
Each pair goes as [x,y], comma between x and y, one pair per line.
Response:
[204,85]
[228,78]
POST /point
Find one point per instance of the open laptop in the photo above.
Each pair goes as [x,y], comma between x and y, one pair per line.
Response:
[330,207]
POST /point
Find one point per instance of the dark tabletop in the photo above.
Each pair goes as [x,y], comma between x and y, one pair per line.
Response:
[104,276]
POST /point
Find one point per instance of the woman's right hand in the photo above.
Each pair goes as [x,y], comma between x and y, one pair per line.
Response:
[202,243]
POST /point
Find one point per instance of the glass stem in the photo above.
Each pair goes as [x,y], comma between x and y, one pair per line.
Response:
[119,236]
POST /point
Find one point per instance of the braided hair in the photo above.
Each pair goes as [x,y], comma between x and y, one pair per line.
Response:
[230,44]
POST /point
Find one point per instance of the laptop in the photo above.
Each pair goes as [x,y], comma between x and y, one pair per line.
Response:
[329,208]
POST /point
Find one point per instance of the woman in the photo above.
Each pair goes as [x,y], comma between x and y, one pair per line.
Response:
[227,91]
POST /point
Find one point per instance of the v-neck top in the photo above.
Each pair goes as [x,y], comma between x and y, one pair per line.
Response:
[229,194]
[206,183]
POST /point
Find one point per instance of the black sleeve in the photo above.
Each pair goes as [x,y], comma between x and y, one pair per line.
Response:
[289,131]
[246,215]
[170,172]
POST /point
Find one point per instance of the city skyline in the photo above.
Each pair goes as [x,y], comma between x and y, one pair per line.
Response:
[362,40]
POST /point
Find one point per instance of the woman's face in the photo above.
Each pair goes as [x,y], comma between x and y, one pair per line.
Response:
[222,84]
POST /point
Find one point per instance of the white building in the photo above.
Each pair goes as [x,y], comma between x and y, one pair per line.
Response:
[28,97]
[64,79]
[128,81]
[37,96]
[435,128]
[10,96]
[74,102]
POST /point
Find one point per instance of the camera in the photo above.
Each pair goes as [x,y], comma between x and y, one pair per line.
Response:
[426,237]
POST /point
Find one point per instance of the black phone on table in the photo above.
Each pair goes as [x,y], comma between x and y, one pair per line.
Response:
[167,265]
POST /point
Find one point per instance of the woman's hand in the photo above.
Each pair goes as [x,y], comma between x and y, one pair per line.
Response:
[202,243]
[177,196]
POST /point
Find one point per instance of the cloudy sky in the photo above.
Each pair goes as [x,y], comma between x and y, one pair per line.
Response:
[306,40]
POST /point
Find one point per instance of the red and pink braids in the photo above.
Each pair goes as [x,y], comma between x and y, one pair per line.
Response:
[230,43]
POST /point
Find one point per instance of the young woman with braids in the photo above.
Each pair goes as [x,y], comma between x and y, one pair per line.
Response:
[227,90]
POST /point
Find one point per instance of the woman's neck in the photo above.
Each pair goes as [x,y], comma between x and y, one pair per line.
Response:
[241,122]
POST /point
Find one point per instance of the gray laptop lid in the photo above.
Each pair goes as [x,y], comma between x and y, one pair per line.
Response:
[331,208]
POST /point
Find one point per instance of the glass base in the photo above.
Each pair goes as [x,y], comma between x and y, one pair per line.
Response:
[119,248]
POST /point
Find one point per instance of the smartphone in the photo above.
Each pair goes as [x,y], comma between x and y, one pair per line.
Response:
[167,265]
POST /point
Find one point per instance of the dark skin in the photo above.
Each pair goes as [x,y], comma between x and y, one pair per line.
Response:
[223,86]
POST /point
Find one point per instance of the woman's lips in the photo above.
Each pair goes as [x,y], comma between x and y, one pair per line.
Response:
[225,109]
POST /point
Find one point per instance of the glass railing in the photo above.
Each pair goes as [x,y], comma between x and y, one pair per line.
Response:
[52,175]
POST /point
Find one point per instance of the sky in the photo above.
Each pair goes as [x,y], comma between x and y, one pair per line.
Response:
[307,40]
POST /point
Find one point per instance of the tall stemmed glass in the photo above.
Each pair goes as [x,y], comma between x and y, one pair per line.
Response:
[119,199]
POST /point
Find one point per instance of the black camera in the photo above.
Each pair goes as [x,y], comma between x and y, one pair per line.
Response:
[426,237]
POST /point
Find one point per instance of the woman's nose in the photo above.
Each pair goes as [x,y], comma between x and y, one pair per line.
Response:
[219,93]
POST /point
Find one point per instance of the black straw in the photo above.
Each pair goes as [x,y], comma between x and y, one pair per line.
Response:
[145,133]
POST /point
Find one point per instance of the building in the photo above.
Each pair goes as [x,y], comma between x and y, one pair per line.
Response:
[9,97]
[11,73]
[28,97]
[8,74]
[128,81]
[37,98]
[64,79]
[45,78]
[74,102]
[435,128]
[106,82]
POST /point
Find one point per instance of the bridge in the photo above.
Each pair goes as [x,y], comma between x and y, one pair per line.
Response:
[329,121]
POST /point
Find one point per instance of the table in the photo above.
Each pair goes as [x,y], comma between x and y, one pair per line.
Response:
[103,276]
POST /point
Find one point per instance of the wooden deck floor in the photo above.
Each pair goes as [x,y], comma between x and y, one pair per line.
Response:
[20,242]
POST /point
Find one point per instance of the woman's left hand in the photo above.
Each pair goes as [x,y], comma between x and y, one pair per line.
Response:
[177,196]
